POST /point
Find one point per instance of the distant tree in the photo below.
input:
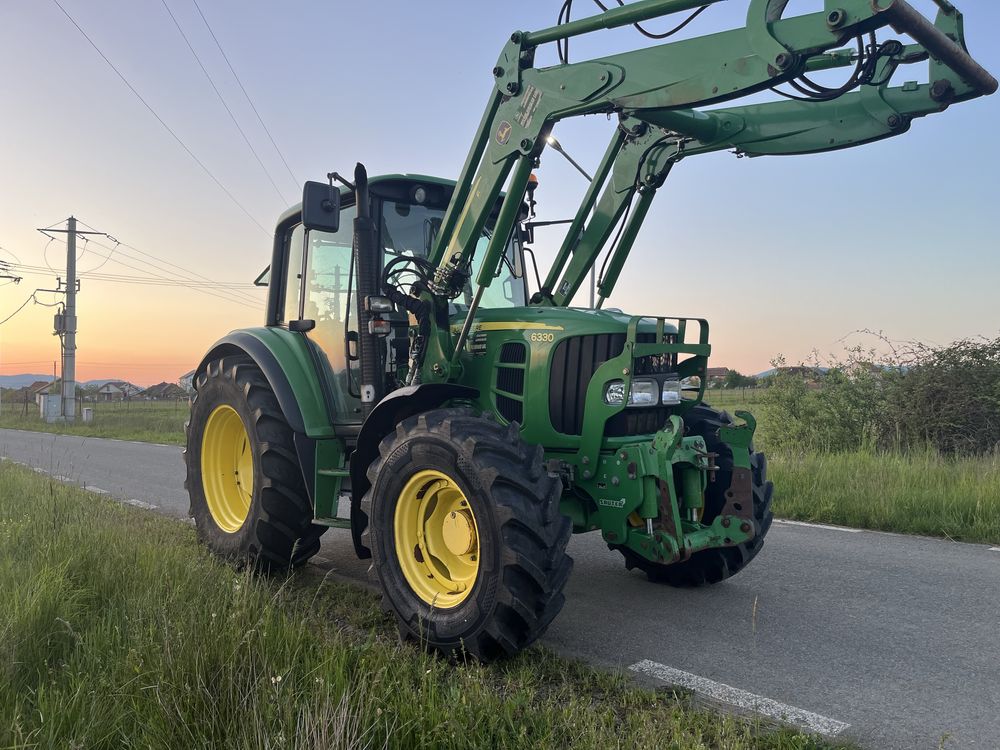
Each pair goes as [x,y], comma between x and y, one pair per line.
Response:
[736,379]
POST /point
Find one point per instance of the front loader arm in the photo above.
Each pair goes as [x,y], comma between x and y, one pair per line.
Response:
[775,128]
[655,91]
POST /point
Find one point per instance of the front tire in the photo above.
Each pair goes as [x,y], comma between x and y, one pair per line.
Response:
[248,497]
[466,536]
[714,565]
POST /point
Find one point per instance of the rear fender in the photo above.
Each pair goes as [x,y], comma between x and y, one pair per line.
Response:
[289,366]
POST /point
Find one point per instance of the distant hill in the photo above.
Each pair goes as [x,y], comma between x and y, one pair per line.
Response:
[773,371]
[20,381]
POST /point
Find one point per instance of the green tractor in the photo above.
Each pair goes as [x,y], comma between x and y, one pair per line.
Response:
[412,386]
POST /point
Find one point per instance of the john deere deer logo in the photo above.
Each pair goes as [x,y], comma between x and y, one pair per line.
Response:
[503,132]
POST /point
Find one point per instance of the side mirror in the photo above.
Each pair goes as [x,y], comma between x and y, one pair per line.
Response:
[321,207]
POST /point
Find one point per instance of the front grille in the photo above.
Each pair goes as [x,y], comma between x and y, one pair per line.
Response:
[510,381]
[574,362]
[513,352]
[510,408]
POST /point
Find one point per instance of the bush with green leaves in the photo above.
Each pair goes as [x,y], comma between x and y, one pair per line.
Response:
[913,397]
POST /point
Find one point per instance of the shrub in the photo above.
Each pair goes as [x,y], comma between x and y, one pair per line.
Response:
[913,398]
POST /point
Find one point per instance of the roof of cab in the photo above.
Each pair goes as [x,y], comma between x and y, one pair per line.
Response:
[297,208]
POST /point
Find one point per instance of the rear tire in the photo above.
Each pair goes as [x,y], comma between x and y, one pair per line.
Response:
[715,565]
[490,586]
[237,426]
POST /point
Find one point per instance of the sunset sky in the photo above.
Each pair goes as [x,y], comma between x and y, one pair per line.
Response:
[783,255]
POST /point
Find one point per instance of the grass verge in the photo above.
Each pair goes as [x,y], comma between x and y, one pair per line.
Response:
[118,630]
[911,494]
[144,421]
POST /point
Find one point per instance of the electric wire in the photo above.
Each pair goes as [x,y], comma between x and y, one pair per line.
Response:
[222,100]
[23,305]
[45,253]
[126,279]
[158,265]
[230,296]
[260,119]
[162,122]
[214,289]
[230,292]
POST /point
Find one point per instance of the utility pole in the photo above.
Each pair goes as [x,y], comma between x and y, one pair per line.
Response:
[65,323]
[69,337]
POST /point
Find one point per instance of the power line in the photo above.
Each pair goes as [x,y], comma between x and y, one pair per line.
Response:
[160,275]
[162,262]
[146,280]
[223,101]
[23,305]
[247,95]
[159,119]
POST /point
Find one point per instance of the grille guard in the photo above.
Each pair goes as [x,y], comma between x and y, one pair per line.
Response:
[597,413]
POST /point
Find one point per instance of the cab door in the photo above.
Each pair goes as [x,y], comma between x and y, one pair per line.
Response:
[319,288]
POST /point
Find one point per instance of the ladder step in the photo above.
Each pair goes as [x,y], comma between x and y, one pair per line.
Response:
[334,472]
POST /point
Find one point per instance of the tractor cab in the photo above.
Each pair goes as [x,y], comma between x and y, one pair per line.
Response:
[313,280]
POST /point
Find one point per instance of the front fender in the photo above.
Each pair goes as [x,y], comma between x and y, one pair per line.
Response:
[390,411]
[291,370]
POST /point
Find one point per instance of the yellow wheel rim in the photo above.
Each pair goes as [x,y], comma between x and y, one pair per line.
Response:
[437,539]
[227,468]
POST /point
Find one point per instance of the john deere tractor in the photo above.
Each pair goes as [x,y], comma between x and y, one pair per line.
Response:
[418,382]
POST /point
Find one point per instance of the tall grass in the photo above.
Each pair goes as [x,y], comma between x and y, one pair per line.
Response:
[117,630]
[916,493]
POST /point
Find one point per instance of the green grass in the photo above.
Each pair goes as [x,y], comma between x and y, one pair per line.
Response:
[118,630]
[145,421]
[922,493]
[912,494]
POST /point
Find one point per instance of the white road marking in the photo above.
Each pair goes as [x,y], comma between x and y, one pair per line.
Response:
[994,549]
[817,526]
[97,490]
[61,478]
[39,470]
[139,504]
[741,698]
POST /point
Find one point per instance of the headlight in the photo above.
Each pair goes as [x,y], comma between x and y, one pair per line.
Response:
[671,390]
[644,393]
[614,393]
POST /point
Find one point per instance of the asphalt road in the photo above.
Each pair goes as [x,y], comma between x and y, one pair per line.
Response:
[886,640]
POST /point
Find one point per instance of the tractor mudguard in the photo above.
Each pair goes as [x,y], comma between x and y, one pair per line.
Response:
[390,411]
[287,362]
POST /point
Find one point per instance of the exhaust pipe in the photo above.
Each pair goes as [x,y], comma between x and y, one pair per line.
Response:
[369,267]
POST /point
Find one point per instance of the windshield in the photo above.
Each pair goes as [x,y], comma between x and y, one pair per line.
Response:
[410,229]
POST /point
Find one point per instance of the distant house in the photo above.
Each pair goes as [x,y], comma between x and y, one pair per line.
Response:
[41,388]
[186,381]
[164,392]
[117,390]
[716,376]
